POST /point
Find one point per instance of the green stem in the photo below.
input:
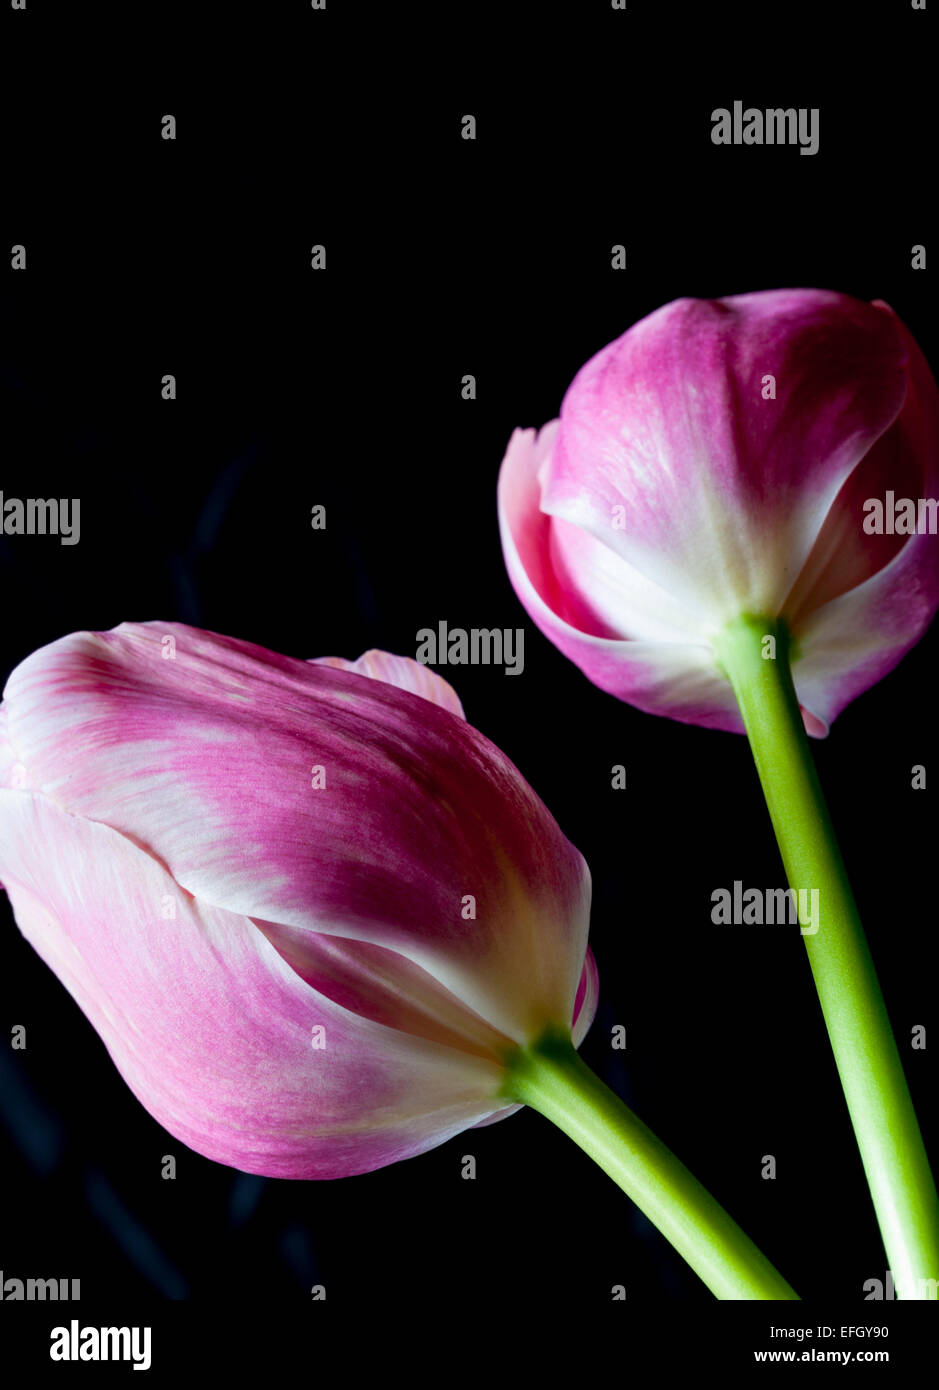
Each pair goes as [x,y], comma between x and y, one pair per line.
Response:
[866,1054]
[551,1078]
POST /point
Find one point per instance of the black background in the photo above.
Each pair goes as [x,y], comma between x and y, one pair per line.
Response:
[343,387]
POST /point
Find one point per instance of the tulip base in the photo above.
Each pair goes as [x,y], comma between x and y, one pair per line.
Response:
[865,1049]
[551,1077]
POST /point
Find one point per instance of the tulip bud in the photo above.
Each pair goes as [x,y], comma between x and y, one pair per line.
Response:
[721,459]
[310,910]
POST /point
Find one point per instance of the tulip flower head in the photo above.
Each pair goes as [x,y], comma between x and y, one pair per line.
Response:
[309,909]
[719,461]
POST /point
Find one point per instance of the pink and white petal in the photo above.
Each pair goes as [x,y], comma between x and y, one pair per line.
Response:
[848,639]
[8,764]
[206,760]
[499,1115]
[588,996]
[209,1025]
[678,679]
[853,642]
[844,554]
[722,493]
[403,672]
[386,987]
[904,461]
[598,592]
[582,579]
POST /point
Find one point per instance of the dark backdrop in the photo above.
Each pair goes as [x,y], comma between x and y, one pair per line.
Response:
[343,387]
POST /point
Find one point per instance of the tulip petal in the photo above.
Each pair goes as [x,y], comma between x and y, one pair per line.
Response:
[720,492]
[403,672]
[585,1004]
[678,678]
[209,1025]
[848,638]
[381,985]
[7,756]
[205,758]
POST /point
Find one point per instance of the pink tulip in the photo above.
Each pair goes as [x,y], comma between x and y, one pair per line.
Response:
[715,461]
[309,912]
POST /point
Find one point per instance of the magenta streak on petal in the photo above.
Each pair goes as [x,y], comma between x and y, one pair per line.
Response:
[585,1004]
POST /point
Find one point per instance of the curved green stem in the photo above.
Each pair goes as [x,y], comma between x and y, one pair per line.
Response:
[551,1078]
[865,1050]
